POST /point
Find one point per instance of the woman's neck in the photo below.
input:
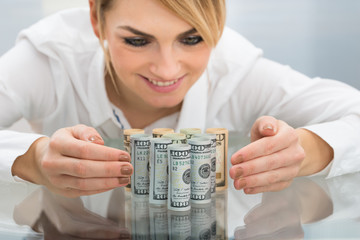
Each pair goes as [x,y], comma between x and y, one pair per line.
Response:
[137,112]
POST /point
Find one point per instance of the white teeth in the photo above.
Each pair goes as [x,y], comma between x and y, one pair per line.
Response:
[162,84]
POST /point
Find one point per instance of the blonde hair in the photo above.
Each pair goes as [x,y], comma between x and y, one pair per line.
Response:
[206,16]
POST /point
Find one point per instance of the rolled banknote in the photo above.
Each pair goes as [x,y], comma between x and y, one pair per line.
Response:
[189,132]
[200,153]
[177,138]
[159,170]
[179,177]
[221,156]
[127,134]
[159,132]
[212,138]
[140,153]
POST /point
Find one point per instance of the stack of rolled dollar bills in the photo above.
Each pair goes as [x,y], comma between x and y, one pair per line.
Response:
[177,169]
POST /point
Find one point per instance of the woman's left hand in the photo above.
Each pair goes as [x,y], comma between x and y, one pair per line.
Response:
[271,161]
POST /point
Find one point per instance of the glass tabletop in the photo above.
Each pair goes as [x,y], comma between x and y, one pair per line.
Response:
[311,208]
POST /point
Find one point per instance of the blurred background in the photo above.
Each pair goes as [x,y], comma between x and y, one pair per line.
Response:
[317,38]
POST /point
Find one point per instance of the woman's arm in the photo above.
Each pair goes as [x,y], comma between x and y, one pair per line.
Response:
[318,153]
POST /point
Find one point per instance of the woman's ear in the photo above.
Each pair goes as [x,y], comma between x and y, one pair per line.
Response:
[94,18]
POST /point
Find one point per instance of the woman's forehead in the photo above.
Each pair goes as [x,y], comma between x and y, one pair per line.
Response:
[145,15]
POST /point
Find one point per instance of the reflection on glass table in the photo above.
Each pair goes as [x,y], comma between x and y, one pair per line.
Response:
[311,208]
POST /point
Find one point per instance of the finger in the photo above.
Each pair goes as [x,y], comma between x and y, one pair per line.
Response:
[267,145]
[239,183]
[85,133]
[265,179]
[71,183]
[91,169]
[263,127]
[270,188]
[69,146]
[283,158]
[269,181]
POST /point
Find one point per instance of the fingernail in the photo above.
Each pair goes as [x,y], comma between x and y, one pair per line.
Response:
[123,180]
[126,170]
[241,183]
[239,159]
[94,138]
[239,173]
[268,127]
[124,158]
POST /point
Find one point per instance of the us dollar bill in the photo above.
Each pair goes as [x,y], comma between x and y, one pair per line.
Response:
[140,153]
[189,132]
[212,138]
[179,177]
[200,170]
[221,156]
[177,138]
[159,132]
[159,170]
[127,145]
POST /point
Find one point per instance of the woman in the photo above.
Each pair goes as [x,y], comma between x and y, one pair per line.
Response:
[163,63]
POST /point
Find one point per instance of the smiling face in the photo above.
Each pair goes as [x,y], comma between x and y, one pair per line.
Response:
[156,55]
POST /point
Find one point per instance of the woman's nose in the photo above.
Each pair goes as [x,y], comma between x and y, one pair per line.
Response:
[166,64]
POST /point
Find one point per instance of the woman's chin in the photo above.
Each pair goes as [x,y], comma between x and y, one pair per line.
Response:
[166,103]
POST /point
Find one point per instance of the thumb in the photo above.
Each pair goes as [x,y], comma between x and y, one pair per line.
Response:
[88,134]
[264,127]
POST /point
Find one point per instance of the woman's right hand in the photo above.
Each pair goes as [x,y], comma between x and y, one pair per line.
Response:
[74,162]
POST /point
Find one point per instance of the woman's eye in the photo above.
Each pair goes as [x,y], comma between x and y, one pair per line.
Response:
[192,40]
[136,42]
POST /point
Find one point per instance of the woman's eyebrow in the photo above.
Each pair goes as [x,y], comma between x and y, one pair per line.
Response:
[136,32]
[189,32]
[147,35]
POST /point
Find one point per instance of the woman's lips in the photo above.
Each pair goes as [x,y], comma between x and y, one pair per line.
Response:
[163,86]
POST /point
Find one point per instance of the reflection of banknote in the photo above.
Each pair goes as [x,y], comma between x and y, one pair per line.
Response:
[213,218]
[221,215]
[221,156]
[159,170]
[140,152]
[179,225]
[158,223]
[140,218]
[200,170]
[179,177]
[201,221]
[159,132]
[127,134]
[212,138]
